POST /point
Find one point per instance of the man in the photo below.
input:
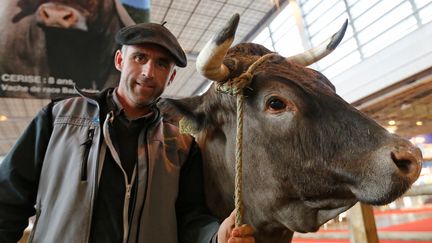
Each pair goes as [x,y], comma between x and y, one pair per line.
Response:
[106,168]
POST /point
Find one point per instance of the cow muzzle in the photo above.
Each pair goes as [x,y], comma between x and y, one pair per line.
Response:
[389,172]
[61,16]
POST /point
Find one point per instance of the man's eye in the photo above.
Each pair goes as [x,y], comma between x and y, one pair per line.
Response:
[140,58]
[163,64]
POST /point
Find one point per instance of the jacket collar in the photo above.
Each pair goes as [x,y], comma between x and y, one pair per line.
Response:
[106,105]
[96,98]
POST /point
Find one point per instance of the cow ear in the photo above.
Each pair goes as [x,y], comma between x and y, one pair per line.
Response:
[183,112]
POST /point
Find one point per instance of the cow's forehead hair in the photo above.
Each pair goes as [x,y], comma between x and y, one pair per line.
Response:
[308,79]
[246,49]
[241,56]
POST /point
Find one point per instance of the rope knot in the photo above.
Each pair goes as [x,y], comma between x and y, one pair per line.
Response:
[243,80]
[236,85]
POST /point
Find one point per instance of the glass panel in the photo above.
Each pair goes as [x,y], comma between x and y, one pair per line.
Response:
[390,37]
[361,7]
[351,2]
[344,49]
[286,27]
[421,3]
[375,13]
[385,22]
[327,18]
[307,5]
[261,37]
[342,65]
[281,18]
[290,43]
[319,11]
[378,23]
[426,14]
[330,29]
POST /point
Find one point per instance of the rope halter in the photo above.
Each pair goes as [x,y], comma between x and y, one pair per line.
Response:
[235,87]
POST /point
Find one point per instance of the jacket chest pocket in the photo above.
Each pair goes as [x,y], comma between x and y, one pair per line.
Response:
[86,146]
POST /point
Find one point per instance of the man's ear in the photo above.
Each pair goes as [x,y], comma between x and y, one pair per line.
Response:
[118,60]
[171,79]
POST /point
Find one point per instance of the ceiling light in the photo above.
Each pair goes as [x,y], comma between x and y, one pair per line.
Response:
[392,122]
[419,123]
[3,118]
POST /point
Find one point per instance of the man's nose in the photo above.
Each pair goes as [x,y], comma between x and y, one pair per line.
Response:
[148,69]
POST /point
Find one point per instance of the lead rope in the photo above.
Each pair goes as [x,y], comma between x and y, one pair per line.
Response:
[235,87]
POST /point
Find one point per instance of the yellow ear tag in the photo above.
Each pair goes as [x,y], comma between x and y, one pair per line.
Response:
[186,126]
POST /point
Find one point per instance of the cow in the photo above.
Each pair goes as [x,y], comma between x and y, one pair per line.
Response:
[63,39]
[308,155]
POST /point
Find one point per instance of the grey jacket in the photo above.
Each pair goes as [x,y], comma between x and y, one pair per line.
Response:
[67,177]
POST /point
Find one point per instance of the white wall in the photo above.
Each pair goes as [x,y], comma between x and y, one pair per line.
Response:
[404,58]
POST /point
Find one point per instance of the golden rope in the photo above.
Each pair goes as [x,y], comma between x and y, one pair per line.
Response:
[239,161]
[235,87]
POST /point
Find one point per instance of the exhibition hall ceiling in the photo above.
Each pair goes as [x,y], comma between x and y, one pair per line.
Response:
[404,108]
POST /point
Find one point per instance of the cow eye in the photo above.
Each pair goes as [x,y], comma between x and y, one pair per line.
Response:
[276,104]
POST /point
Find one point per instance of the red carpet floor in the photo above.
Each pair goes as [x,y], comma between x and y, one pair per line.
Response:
[403,211]
[423,225]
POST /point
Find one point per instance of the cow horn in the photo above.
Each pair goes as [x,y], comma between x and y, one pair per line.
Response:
[209,61]
[315,54]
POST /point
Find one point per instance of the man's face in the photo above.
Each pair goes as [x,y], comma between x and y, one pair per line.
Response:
[145,72]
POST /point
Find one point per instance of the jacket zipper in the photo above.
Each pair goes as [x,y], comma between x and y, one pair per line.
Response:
[128,185]
[128,192]
[126,212]
[146,184]
[87,145]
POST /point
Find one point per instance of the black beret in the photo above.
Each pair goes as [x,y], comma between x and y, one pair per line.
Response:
[153,34]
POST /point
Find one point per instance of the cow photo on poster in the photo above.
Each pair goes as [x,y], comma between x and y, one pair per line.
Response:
[48,47]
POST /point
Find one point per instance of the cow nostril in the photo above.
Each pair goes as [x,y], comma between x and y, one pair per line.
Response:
[67,17]
[45,14]
[404,164]
[407,161]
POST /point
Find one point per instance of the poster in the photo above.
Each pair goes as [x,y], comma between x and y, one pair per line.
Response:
[48,47]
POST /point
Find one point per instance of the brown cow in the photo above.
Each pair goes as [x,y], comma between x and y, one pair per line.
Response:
[308,154]
[66,39]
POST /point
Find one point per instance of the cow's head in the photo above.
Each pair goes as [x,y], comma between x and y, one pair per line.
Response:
[308,154]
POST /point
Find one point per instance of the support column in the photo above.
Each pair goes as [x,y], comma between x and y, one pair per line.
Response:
[362,224]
